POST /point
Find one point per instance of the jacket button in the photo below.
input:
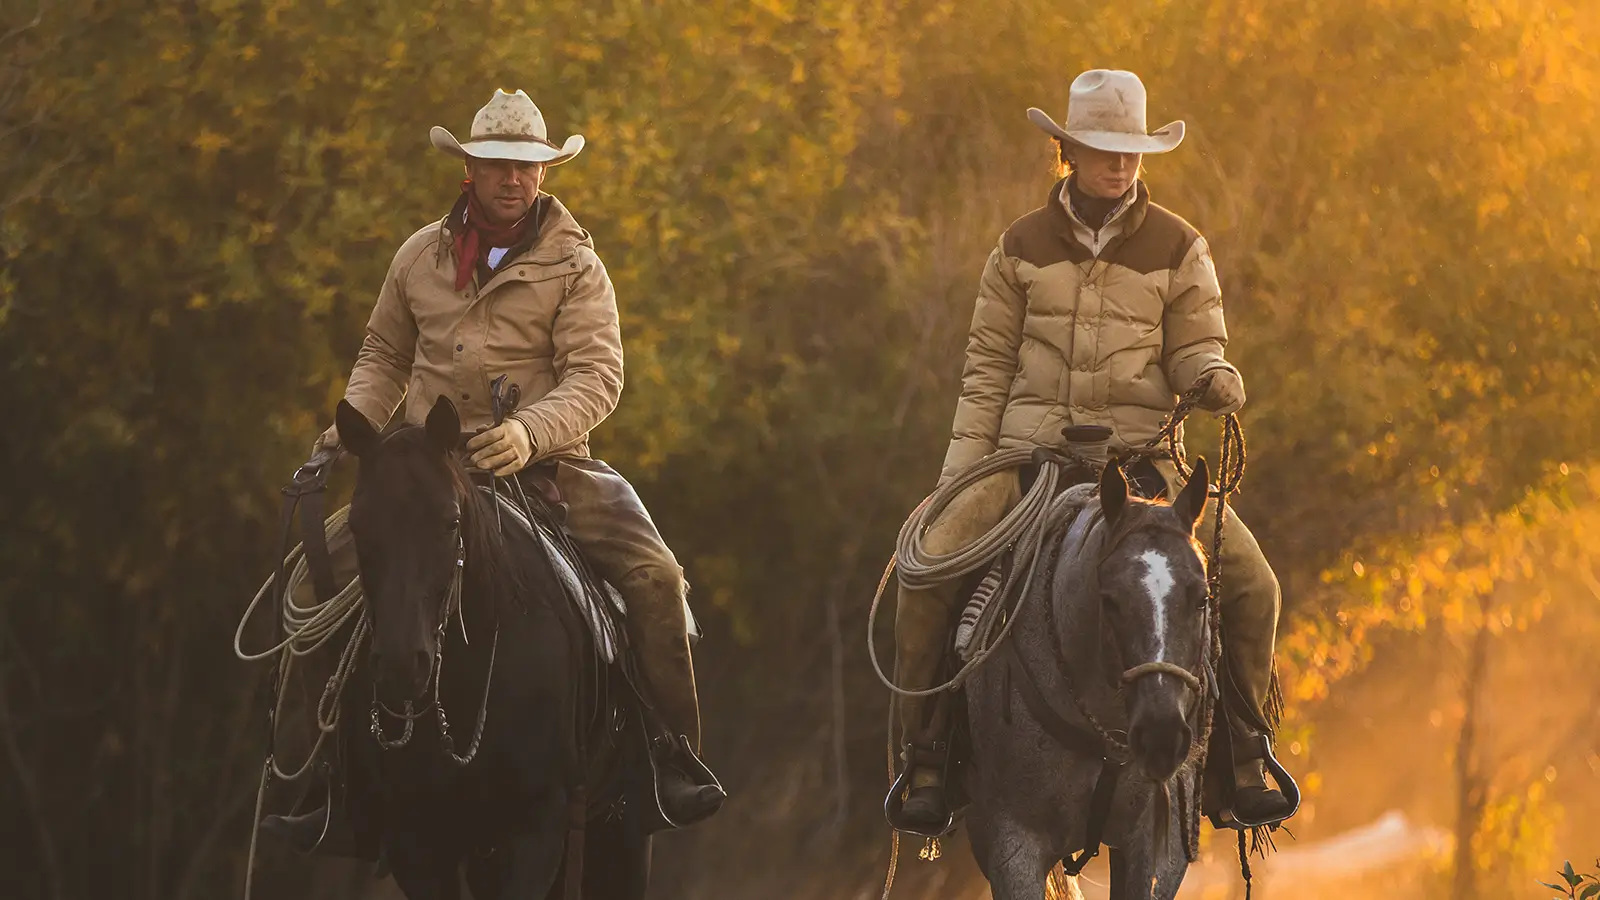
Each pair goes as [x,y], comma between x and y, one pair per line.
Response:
[460,347]
[466,396]
[572,265]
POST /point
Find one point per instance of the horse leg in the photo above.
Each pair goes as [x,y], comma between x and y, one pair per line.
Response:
[1140,872]
[616,860]
[1015,861]
[486,874]
[421,871]
[530,861]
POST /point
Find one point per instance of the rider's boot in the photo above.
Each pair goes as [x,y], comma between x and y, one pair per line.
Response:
[1253,799]
[922,627]
[689,793]
[658,631]
[924,623]
[1250,601]
[926,808]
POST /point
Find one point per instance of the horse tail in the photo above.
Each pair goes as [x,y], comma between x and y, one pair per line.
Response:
[1061,886]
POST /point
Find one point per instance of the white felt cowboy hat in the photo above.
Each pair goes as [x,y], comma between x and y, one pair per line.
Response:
[508,127]
[1105,111]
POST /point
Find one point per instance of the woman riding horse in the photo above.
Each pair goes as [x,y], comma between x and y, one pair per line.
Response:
[1098,308]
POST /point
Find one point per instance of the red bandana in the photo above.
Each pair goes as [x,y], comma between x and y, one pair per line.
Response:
[476,236]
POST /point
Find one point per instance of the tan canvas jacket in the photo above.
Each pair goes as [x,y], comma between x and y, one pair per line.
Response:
[547,319]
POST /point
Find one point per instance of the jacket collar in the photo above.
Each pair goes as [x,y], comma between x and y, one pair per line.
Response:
[554,239]
[1130,215]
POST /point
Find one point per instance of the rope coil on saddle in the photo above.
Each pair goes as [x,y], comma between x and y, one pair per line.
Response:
[1023,531]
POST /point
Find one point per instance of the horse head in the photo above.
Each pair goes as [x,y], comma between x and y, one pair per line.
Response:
[1153,592]
[410,516]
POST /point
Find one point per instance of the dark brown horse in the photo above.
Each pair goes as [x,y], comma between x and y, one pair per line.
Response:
[474,760]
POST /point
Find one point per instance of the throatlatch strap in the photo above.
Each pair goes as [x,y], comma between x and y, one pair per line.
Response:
[1105,788]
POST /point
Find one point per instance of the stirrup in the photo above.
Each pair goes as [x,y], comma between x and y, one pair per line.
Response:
[682,757]
[1285,782]
[934,755]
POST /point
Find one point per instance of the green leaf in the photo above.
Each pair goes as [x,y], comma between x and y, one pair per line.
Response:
[1590,892]
[1553,887]
[1569,875]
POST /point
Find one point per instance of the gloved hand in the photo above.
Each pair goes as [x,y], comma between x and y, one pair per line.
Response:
[504,449]
[325,451]
[1225,396]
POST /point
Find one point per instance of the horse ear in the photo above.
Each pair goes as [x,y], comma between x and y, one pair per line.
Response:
[356,434]
[444,425]
[1191,500]
[1113,491]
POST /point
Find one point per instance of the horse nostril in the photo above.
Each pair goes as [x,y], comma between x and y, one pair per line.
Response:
[1162,746]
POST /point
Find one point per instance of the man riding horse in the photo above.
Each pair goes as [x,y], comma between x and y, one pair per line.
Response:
[1096,309]
[508,284]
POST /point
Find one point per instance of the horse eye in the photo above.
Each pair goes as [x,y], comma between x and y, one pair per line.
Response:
[452,525]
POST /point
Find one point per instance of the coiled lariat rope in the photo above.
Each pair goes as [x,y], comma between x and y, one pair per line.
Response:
[306,629]
[1022,532]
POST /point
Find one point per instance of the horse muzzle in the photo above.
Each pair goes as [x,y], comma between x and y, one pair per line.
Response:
[1159,735]
[1160,744]
[403,676]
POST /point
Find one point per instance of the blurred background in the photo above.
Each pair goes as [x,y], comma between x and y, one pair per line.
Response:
[199,199]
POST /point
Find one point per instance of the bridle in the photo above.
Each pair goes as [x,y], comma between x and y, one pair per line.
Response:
[1196,683]
[1096,740]
[449,607]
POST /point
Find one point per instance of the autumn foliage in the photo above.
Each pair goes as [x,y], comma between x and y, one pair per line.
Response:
[198,202]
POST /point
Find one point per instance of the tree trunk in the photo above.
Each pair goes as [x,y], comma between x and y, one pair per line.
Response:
[1470,788]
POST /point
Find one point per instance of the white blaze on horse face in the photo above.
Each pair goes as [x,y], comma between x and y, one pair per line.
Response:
[1158,583]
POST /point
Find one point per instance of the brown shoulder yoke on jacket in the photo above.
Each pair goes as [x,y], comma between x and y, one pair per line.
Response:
[1161,242]
[1043,238]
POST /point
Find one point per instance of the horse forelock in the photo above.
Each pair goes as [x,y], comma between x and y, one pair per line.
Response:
[1151,518]
[409,458]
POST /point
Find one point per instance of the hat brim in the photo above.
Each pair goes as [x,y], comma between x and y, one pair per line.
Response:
[519,151]
[1163,140]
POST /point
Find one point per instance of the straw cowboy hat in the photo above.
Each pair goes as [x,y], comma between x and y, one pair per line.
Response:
[1105,111]
[508,127]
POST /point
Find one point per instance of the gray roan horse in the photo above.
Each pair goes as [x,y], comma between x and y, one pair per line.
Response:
[1104,671]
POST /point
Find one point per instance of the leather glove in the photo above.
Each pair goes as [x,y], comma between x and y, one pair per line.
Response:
[325,451]
[504,449]
[1225,396]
